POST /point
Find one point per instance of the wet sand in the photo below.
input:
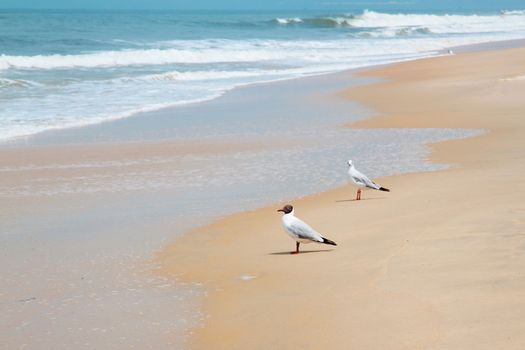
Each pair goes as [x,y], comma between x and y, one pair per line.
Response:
[435,264]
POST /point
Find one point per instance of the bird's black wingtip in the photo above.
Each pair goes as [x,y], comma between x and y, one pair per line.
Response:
[384,189]
[327,241]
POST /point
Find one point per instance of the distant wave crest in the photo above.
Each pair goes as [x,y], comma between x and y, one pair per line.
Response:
[513,12]
[288,20]
[191,52]
[434,23]
[395,32]
[327,22]
[9,83]
[133,57]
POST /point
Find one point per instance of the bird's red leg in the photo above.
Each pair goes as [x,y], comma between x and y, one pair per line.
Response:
[358,195]
[296,248]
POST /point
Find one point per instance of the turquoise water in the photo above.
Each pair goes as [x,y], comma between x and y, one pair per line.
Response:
[60,69]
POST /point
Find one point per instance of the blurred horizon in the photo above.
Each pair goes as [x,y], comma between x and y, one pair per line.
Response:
[269,5]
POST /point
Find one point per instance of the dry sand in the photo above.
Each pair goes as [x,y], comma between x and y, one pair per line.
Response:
[438,263]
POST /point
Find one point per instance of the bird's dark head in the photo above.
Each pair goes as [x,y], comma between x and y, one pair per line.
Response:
[287,209]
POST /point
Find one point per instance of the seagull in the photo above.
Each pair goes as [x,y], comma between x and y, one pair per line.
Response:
[362,181]
[300,231]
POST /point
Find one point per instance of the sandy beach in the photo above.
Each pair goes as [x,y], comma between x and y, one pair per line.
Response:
[435,264]
[84,210]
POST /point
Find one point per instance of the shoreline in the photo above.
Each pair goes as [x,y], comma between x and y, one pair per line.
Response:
[55,134]
[220,272]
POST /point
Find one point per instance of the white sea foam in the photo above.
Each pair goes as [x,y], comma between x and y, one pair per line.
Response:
[129,58]
[256,51]
[78,118]
[204,52]
[234,53]
[443,23]
[514,12]
[506,21]
[288,20]
[5,83]
[93,101]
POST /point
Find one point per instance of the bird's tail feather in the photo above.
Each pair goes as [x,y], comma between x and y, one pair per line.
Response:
[327,241]
[384,189]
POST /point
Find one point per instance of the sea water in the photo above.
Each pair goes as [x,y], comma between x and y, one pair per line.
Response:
[61,69]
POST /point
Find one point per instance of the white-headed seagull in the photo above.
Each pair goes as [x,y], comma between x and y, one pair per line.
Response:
[362,181]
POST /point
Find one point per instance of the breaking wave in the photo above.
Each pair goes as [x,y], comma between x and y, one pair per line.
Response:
[327,22]
[506,20]
[129,58]
[10,83]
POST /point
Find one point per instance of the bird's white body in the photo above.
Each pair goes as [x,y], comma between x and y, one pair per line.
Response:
[360,180]
[299,230]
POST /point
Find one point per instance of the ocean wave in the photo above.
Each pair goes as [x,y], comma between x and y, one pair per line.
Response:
[274,52]
[336,21]
[366,24]
[134,57]
[447,23]
[513,12]
[396,32]
[341,21]
[441,23]
[9,83]
[326,22]
[288,20]
[15,131]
